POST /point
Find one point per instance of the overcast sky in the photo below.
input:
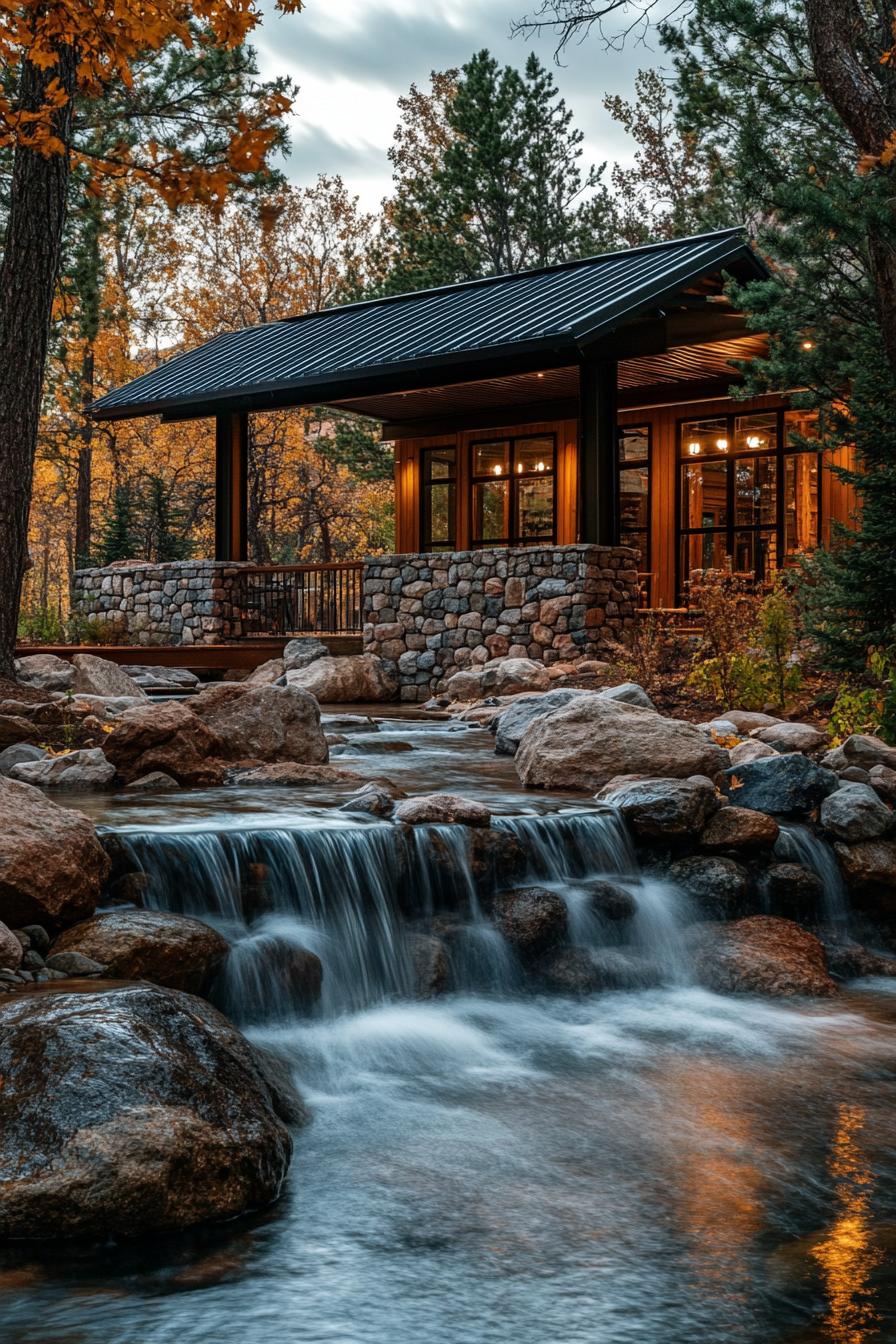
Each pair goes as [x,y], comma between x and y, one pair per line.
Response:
[353,59]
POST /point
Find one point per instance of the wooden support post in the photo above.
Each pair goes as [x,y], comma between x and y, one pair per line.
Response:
[598,504]
[231,485]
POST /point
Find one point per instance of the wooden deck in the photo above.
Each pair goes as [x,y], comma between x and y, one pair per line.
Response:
[245,655]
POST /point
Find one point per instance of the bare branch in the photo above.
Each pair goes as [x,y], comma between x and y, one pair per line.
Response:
[617,21]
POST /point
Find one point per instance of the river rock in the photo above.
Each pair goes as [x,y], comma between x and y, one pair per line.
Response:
[783,785]
[661,807]
[52,866]
[861,749]
[165,736]
[570,970]
[870,863]
[172,679]
[296,971]
[289,775]
[532,919]
[738,828]
[303,651]
[503,676]
[628,693]
[77,771]
[18,755]
[169,950]
[15,729]
[760,955]
[155,782]
[609,901]
[496,857]
[786,737]
[71,963]
[354,678]
[128,1110]
[751,750]
[854,774]
[748,720]
[430,967]
[851,961]
[721,886]
[45,672]
[373,799]
[510,723]
[265,723]
[791,890]
[11,950]
[100,676]
[854,812]
[442,809]
[589,742]
[266,674]
[881,778]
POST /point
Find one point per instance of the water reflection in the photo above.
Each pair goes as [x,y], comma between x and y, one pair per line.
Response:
[848,1255]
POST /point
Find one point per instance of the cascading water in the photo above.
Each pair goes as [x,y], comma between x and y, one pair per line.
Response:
[798,844]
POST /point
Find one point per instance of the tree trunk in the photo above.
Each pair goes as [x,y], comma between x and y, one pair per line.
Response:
[28,275]
[84,487]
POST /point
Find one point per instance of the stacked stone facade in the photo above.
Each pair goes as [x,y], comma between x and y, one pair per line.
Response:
[430,615]
[183,602]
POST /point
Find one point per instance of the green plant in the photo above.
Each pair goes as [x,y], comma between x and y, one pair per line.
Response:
[868,705]
[776,633]
[43,625]
[735,683]
[728,608]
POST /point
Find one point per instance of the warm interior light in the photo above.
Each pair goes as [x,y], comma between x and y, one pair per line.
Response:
[539,466]
[808,345]
[754,441]
[694,448]
[519,466]
[541,375]
[722,445]
[497,469]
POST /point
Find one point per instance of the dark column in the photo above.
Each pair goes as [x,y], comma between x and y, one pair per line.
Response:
[598,505]
[231,485]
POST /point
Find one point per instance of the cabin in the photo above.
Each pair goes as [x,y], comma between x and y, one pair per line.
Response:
[588,404]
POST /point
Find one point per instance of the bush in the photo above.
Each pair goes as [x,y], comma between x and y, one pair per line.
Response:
[44,625]
[651,653]
[746,654]
[868,705]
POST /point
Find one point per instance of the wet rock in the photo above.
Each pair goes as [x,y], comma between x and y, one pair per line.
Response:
[302,652]
[628,693]
[786,737]
[783,785]
[264,723]
[168,737]
[751,750]
[130,1109]
[609,901]
[32,960]
[11,950]
[355,678]
[169,950]
[739,828]
[45,672]
[157,781]
[854,812]
[442,809]
[100,676]
[430,967]
[298,972]
[883,780]
[289,774]
[748,720]
[37,936]
[19,754]
[496,857]
[74,964]
[861,749]
[791,890]
[52,866]
[509,724]
[721,886]
[589,742]
[869,863]
[854,774]
[161,679]
[372,799]
[15,729]
[276,1070]
[505,676]
[532,919]
[760,955]
[76,771]
[661,807]
[267,674]
[851,961]
[618,969]
[570,970]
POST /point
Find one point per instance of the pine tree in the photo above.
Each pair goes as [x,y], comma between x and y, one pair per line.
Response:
[119,537]
[164,522]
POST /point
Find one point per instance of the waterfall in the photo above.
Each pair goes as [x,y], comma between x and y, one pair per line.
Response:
[798,844]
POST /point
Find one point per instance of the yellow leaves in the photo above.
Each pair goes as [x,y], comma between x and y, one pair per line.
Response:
[735,783]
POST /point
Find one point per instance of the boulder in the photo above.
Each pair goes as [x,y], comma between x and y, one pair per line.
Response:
[861,749]
[738,828]
[751,750]
[783,785]
[430,968]
[72,963]
[18,755]
[155,782]
[504,676]
[169,737]
[77,771]
[496,857]
[791,737]
[264,723]
[302,652]
[592,740]
[850,961]
[509,724]
[854,812]
[106,708]
[52,866]
[169,950]
[609,901]
[570,970]
[175,680]
[748,720]
[100,676]
[721,886]
[628,693]
[854,774]
[373,799]
[11,950]
[355,678]
[289,775]
[869,863]
[131,1109]
[532,919]
[881,778]
[760,955]
[45,672]
[266,674]
[442,809]
[14,729]
[661,807]
[791,890]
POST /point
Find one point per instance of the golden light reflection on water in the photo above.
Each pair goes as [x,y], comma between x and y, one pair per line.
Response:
[847,1255]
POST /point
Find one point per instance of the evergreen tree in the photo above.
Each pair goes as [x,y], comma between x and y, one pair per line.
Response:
[164,522]
[119,536]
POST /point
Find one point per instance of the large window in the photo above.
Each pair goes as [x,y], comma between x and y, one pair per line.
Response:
[438,469]
[634,496]
[513,491]
[749,496]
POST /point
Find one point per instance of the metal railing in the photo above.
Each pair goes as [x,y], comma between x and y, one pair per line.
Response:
[302,599]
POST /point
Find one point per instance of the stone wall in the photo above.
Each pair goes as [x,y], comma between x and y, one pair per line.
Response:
[430,615]
[183,602]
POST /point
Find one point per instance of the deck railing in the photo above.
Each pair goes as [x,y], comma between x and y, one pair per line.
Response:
[302,599]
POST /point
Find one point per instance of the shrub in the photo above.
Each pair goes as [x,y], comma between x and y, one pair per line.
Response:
[652,651]
[868,705]
[746,655]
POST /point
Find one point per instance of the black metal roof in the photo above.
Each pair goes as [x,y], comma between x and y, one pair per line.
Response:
[551,314]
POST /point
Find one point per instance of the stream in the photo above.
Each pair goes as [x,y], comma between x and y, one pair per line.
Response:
[498,1165]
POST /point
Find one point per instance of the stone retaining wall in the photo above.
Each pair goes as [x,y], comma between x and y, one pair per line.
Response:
[429,615]
[182,602]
